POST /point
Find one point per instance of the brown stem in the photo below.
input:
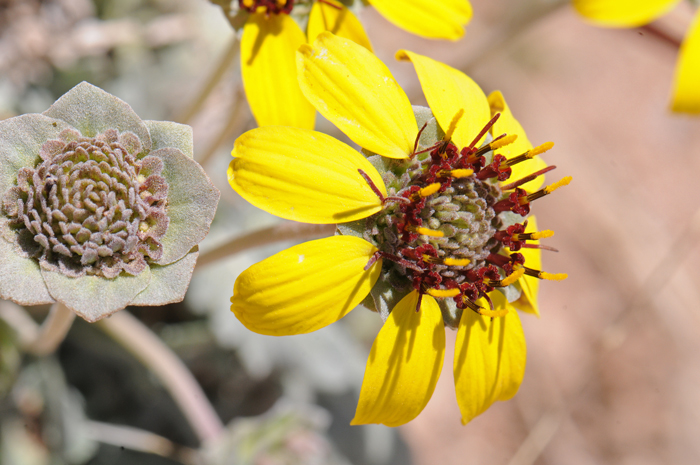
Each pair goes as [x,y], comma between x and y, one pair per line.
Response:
[35,339]
[224,64]
[143,344]
[279,232]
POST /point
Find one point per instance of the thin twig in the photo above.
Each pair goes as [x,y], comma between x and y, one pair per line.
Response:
[52,331]
[34,339]
[280,232]
[19,320]
[140,440]
[234,124]
[143,344]
[538,437]
[224,64]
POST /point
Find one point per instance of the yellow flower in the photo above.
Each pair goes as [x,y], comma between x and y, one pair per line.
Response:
[634,13]
[271,38]
[430,234]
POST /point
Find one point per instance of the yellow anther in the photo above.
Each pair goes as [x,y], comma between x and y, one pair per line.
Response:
[453,124]
[540,149]
[562,182]
[461,173]
[514,276]
[553,277]
[493,313]
[428,232]
[429,190]
[281,3]
[456,261]
[443,292]
[248,3]
[503,141]
[544,234]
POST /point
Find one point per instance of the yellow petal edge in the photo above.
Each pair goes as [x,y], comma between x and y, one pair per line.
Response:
[354,90]
[448,91]
[686,93]
[335,17]
[433,19]
[303,175]
[305,287]
[530,285]
[404,364]
[507,124]
[623,13]
[268,68]
[489,362]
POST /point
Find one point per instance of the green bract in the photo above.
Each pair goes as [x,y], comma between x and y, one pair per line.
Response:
[100,209]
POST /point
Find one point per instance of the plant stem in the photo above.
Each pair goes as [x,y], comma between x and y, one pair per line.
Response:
[232,126]
[279,232]
[139,440]
[52,331]
[225,61]
[143,344]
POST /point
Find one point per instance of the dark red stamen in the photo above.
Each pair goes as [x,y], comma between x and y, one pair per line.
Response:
[372,186]
[325,2]
[486,129]
[529,178]
[415,144]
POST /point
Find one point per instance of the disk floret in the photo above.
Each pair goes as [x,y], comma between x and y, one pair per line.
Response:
[451,227]
[267,6]
[90,206]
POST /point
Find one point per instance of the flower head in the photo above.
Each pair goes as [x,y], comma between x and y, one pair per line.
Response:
[99,209]
[630,13]
[271,37]
[433,227]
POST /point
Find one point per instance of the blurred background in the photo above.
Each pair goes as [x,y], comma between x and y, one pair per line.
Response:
[613,370]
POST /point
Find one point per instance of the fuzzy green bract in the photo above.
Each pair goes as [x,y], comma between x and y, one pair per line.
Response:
[100,209]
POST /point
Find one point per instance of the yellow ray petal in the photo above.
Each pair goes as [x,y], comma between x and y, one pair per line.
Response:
[448,91]
[623,13]
[489,362]
[686,93]
[443,19]
[337,19]
[268,66]
[303,175]
[531,286]
[404,364]
[509,125]
[305,287]
[356,92]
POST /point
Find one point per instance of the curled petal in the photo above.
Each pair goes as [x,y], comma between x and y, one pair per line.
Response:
[268,68]
[448,91]
[353,89]
[443,19]
[335,17]
[404,364]
[507,124]
[623,13]
[686,93]
[489,362]
[305,287]
[303,175]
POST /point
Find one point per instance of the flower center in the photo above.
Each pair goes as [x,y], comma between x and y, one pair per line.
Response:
[450,228]
[90,206]
[267,6]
